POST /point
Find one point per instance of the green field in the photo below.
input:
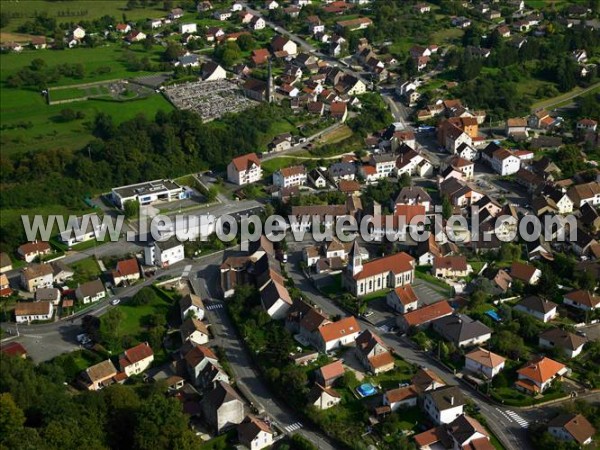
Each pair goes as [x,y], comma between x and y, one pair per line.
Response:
[46,130]
[93,9]
[75,92]
[273,165]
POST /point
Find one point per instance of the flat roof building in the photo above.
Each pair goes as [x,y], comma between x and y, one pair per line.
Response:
[148,192]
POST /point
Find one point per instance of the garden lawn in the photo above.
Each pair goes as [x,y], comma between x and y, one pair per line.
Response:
[273,165]
[85,270]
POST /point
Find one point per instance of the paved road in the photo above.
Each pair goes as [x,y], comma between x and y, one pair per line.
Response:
[249,381]
[507,424]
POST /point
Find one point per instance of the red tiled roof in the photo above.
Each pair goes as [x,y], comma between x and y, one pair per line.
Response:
[128,267]
[428,313]
[406,294]
[336,330]
[584,298]
[333,370]
[13,349]
[243,162]
[541,370]
[136,354]
[397,263]
[456,263]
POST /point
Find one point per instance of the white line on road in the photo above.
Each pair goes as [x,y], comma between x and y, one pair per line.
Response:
[293,427]
[524,423]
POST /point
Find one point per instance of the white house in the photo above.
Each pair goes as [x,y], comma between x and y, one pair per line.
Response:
[29,311]
[570,344]
[275,299]
[254,433]
[338,334]
[537,375]
[572,428]
[444,405]
[537,307]
[244,169]
[188,28]
[402,397]
[78,33]
[194,331]
[137,359]
[90,292]
[82,229]
[402,299]
[191,305]
[484,362]
[581,299]
[323,397]
[165,253]
[290,176]
[271,5]
[257,23]
[502,161]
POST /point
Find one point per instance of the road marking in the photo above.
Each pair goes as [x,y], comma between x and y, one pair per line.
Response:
[186,270]
[215,306]
[33,336]
[518,419]
[293,427]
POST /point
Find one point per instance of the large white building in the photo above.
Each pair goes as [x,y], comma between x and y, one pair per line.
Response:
[290,176]
[148,193]
[164,254]
[244,169]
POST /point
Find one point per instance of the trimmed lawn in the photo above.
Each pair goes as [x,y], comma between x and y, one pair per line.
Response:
[85,270]
[273,165]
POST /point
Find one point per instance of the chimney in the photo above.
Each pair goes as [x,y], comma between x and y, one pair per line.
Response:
[452,400]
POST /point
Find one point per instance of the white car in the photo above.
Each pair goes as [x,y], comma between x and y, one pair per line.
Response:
[115,301]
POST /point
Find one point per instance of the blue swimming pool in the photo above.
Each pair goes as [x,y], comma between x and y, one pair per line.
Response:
[366,389]
[494,315]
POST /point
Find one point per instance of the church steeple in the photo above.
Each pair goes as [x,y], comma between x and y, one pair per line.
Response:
[270,92]
[355,263]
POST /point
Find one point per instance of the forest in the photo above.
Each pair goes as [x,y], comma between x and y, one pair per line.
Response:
[38,411]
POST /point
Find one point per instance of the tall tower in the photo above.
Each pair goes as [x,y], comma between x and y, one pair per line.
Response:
[270,84]
[355,263]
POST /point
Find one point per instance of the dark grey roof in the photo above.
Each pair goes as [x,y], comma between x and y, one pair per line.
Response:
[222,393]
[535,303]
[446,397]
[413,193]
[459,327]
[563,339]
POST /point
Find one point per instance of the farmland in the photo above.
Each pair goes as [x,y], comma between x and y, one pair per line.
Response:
[30,124]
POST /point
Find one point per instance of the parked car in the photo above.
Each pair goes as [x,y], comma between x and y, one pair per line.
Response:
[115,301]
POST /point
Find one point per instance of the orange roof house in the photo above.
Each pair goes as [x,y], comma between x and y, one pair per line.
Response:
[537,375]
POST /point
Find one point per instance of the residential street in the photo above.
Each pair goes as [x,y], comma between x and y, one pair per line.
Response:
[506,423]
[248,380]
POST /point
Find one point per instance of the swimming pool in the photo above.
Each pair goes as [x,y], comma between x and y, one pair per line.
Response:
[366,390]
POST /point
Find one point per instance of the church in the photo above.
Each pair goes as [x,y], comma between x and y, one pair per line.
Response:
[388,272]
